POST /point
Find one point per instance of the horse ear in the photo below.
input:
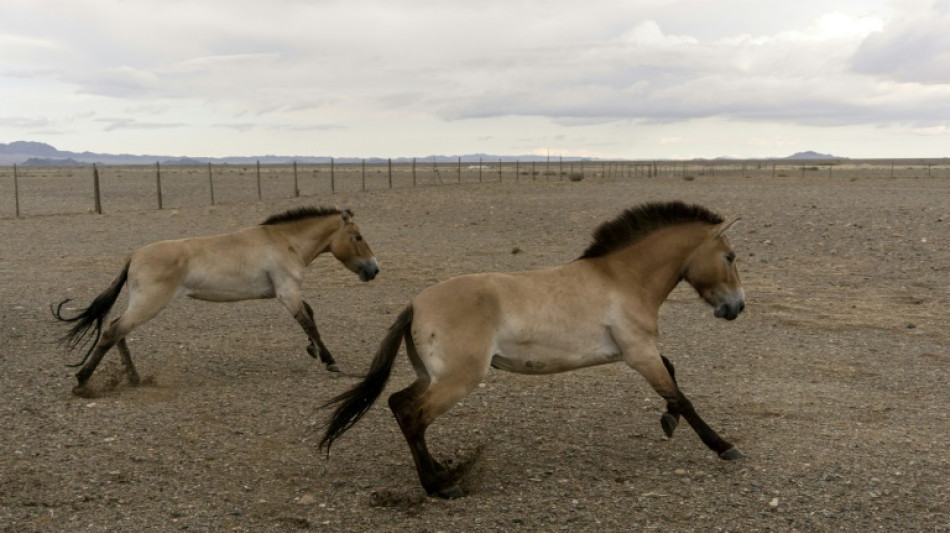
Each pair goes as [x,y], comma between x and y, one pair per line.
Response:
[347,216]
[721,228]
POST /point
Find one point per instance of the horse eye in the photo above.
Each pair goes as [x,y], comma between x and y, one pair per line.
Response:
[358,238]
[731,256]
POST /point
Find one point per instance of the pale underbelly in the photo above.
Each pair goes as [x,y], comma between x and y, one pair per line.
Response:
[529,358]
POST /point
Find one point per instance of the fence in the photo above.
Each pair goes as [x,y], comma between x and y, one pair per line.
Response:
[48,190]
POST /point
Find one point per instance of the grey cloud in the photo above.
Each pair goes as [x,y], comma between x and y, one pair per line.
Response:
[25,122]
[915,50]
[112,124]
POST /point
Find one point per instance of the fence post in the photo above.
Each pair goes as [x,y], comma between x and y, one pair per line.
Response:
[363,173]
[16,190]
[95,189]
[413,171]
[158,183]
[259,195]
[210,183]
[480,169]
[460,170]
[499,170]
[390,172]
[296,188]
[332,175]
[517,171]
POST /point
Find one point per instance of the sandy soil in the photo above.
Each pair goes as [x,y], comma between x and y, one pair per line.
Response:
[835,382]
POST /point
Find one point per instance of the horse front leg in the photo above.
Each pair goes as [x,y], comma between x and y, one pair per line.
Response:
[671,417]
[652,366]
[304,316]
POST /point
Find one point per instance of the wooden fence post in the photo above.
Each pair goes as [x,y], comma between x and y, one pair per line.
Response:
[363,173]
[259,195]
[460,170]
[158,183]
[210,183]
[95,189]
[413,171]
[480,169]
[16,190]
[332,175]
[390,173]
[296,187]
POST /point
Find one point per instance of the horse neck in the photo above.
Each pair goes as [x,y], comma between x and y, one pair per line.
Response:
[312,237]
[656,264]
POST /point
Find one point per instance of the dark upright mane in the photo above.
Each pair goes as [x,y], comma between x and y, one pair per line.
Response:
[299,213]
[638,222]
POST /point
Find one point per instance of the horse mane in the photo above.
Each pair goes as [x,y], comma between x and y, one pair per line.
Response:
[635,223]
[300,213]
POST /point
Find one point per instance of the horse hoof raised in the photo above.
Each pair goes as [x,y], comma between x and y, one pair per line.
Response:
[669,423]
[732,454]
[333,368]
[450,493]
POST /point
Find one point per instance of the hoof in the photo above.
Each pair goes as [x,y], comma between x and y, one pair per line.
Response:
[669,423]
[83,391]
[450,493]
[333,368]
[732,454]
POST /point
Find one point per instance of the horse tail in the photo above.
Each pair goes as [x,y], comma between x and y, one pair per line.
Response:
[90,319]
[354,403]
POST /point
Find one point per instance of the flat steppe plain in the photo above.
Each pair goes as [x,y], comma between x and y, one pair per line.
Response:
[835,382]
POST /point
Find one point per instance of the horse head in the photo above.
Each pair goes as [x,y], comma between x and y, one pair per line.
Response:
[351,249]
[711,270]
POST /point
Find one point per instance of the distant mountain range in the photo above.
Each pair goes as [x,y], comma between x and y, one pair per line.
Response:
[42,154]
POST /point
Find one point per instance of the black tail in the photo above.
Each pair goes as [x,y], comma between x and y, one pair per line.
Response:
[90,319]
[354,403]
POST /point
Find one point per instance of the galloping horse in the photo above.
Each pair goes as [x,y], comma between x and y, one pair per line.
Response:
[264,261]
[601,308]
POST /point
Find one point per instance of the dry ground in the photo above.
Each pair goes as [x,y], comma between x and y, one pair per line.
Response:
[834,382]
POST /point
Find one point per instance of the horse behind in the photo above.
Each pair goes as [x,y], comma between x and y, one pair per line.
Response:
[263,261]
[601,308]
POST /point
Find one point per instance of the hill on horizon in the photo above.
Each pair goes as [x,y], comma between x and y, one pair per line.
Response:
[31,153]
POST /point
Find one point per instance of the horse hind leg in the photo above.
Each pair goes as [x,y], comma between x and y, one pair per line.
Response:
[408,406]
[110,336]
[130,371]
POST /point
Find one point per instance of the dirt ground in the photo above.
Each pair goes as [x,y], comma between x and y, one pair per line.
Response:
[835,382]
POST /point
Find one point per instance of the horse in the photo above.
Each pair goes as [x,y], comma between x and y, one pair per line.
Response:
[600,308]
[263,261]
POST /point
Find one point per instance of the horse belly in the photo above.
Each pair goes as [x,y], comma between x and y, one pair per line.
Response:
[554,353]
[227,289]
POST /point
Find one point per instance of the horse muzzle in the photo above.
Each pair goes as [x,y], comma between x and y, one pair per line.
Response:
[729,310]
[367,269]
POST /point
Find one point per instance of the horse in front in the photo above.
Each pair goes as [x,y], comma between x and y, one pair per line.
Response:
[263,261]
[600,308]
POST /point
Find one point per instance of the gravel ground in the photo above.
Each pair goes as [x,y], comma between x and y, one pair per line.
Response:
[834,382]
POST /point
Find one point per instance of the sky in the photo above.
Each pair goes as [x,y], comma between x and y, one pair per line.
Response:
[614,79]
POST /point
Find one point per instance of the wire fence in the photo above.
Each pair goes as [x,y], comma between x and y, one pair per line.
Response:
[49,190]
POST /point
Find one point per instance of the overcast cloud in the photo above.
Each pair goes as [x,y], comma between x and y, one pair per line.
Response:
[619,79]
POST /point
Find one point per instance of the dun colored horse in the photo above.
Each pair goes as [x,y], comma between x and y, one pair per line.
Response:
[601,308]
[264,261]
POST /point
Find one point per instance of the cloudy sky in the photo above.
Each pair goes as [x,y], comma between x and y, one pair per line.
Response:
[391,78]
